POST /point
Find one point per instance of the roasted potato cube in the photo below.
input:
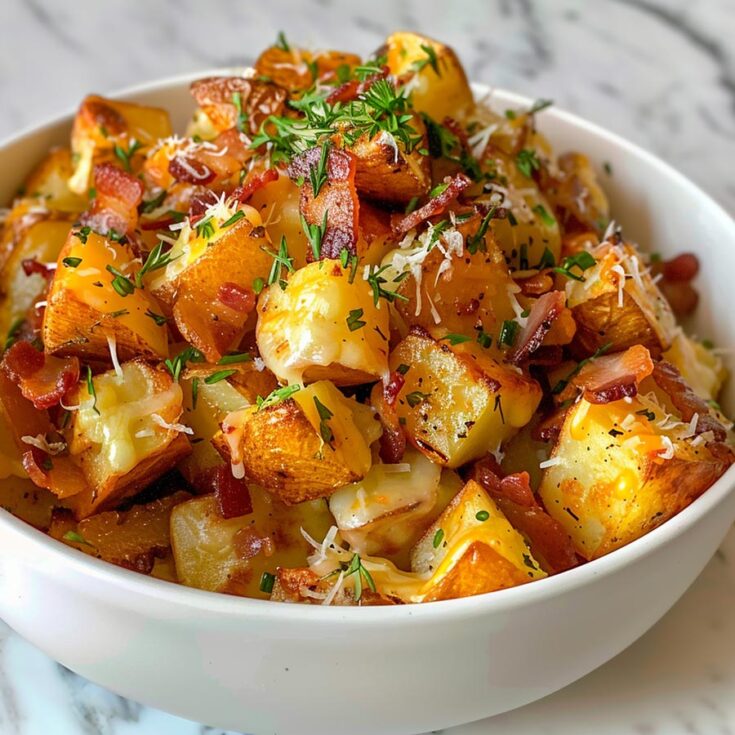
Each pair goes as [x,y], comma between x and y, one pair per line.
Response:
[231,555]
[304,447]
[620,469]
[133,538]
[618,303]
[49,181]
[125,433]
[23,499]
[460,292]
[41,241]
[386,171]
[107,129]
[471,549]
[91,311]
[386,512]
[210,278]
[700,367]
[325,325]
[437,81]
[457,402]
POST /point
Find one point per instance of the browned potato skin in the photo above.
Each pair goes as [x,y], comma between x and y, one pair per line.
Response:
[236,257]
[110,494]
[133,538]
[391,175]
[601,321]
[281,450]
[23,499]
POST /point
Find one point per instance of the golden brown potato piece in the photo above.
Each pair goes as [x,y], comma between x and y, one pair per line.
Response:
[387,172]
[304,447]
[111,130]
[133,538]
[472,549]
[620,469]
[231,555]
[23,499]
[435,76]
[41,241]
[325,325]
[619,305]
[49,181]
[125,433]
[456,402]
[208,285]
[460,293]
[91,311]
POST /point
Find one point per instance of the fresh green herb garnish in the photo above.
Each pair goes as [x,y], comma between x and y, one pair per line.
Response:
[499,407]
[325,414]
[267,580]
[527,162]
[544,215]
[281,42]
[376,281]
[205,228]
[581,260]
[539,105]
[438,538]
[650,415]
[455,339]
[318,173]
[315,234]
[413,399]
[175,366]
[218,376]
[235,358]
[156,259]
[477,241]
[151,205]
[403,368]
[508,332]
[75,538]
[258,285]
[278,395]
[357,568]
[125,156]
[83,233]
[121,283]
[482,515]
[281,260]
[194,392]
[91,390]
[242,117]
[159,319]
[71,262]
[484,339]
[430,60]
[235,218]
[354,322]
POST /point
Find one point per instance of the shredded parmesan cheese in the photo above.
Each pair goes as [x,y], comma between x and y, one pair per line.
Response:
[112,345]
[40,442]
[181,428]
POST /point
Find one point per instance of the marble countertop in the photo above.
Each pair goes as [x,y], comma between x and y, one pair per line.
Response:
[660,72]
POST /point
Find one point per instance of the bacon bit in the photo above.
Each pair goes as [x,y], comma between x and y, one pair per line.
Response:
[159,224]
[393,387]
[98,114]
[239,298]
[488,473]
[686,401]
[682,268]
[200,203]
[515,498]
[547,356]
[543,313]
[253,183]
[337,199]
[435,206]
[31,266]
[232,495]
[468,308]
[536,285]
[115,207]
[612,377]
[190,170]
[354,88]
[43,379]
[682,297]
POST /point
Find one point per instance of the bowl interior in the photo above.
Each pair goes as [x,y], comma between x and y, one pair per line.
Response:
[657,207]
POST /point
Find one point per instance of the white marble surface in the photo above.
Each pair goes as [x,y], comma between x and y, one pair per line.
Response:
[660,72]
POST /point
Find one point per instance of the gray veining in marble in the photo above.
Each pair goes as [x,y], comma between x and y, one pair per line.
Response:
[660,72]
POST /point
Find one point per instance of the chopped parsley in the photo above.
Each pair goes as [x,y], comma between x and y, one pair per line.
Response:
[482,515]
[527,162]
[267,580]
[413,399]
[581,260]
[438,538]
[354,321]
[71,262]
[121,283]
[508,333]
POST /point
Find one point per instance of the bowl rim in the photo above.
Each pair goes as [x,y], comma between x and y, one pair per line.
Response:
[165,593]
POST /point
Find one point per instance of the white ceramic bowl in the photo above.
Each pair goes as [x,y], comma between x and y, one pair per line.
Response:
[260,667]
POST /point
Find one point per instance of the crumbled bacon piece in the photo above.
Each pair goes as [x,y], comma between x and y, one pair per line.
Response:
[43,379]
[337,200]
[254,183]
[542,315]
[32,266]
[392,388]
[239,298]
[435,206]
[353,89]
[115,206]
[190,170]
